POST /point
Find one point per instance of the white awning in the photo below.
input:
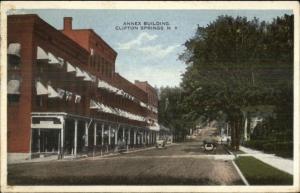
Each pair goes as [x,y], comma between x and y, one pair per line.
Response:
[105,85]
[52,92]
[94,78]
[79,73]
[93,105]
[120,92]
[14,49]
[70,68]
[69,95]
[102,84]
[13,87]
[143,104]
[53,59]
[87,76]
[41,89]
[77,98]
[155,127]
[61,61]
[41,54]
[61,93]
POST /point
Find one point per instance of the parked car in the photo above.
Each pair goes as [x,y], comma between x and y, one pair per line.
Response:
[160,143]
[209,144]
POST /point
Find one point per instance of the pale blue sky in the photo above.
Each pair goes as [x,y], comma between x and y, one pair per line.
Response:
[147,54]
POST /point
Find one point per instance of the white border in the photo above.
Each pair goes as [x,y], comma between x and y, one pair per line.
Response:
[192,5]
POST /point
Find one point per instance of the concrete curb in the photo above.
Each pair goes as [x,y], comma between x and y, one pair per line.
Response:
[128,152]
[237,168]
[240,173]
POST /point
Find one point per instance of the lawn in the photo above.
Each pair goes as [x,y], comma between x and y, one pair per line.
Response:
[258,173]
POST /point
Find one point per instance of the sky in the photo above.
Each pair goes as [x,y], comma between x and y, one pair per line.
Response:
[146,54]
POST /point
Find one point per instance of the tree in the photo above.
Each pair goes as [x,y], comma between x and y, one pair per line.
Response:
[171,111]
[234,63]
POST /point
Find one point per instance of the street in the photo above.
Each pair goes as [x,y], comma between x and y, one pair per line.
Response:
[178,164]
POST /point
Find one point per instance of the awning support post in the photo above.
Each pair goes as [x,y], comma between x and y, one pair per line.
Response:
[75,138]
[95,138]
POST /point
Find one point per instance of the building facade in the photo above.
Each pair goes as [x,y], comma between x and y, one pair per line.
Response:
[65,98]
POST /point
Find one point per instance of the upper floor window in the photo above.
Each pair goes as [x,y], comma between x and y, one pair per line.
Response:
[14,55]
[13,88]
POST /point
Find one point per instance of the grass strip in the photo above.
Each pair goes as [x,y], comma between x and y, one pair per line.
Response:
[258,173]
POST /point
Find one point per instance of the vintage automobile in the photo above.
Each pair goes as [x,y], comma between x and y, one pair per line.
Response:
[160,143]
[209,144]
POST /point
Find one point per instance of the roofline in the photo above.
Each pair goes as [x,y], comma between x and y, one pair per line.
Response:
[37,18]
[147,84]
[116,73]
[92,31]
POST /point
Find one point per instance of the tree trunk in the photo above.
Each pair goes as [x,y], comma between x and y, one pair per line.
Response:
[232,134]
[238,128]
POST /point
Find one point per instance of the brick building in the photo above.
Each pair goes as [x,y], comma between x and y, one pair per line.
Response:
[65,98]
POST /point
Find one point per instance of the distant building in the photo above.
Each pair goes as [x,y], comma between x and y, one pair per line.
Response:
[64,96]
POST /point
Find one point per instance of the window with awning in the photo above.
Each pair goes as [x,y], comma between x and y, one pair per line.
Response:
[41,54]
[13,87]
[52,92]
[41,89]
[70,68]
[79,73]
[14,55]
[14,49]
[53,59]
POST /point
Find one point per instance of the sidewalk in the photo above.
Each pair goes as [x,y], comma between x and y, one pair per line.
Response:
[282,164]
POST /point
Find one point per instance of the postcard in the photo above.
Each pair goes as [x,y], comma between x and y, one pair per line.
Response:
[150,96]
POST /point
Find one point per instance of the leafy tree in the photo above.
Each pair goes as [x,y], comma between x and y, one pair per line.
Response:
[171,111]
[234,64]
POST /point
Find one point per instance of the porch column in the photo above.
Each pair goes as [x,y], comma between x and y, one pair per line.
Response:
[116,136]
[102,134]
[62,139]
[75,137]
[86,134]
[134,137]
[39,140]
[152,141]
[95,134]
[153,137]
[148,137]
[128,139]
[109,136]
[123,137]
